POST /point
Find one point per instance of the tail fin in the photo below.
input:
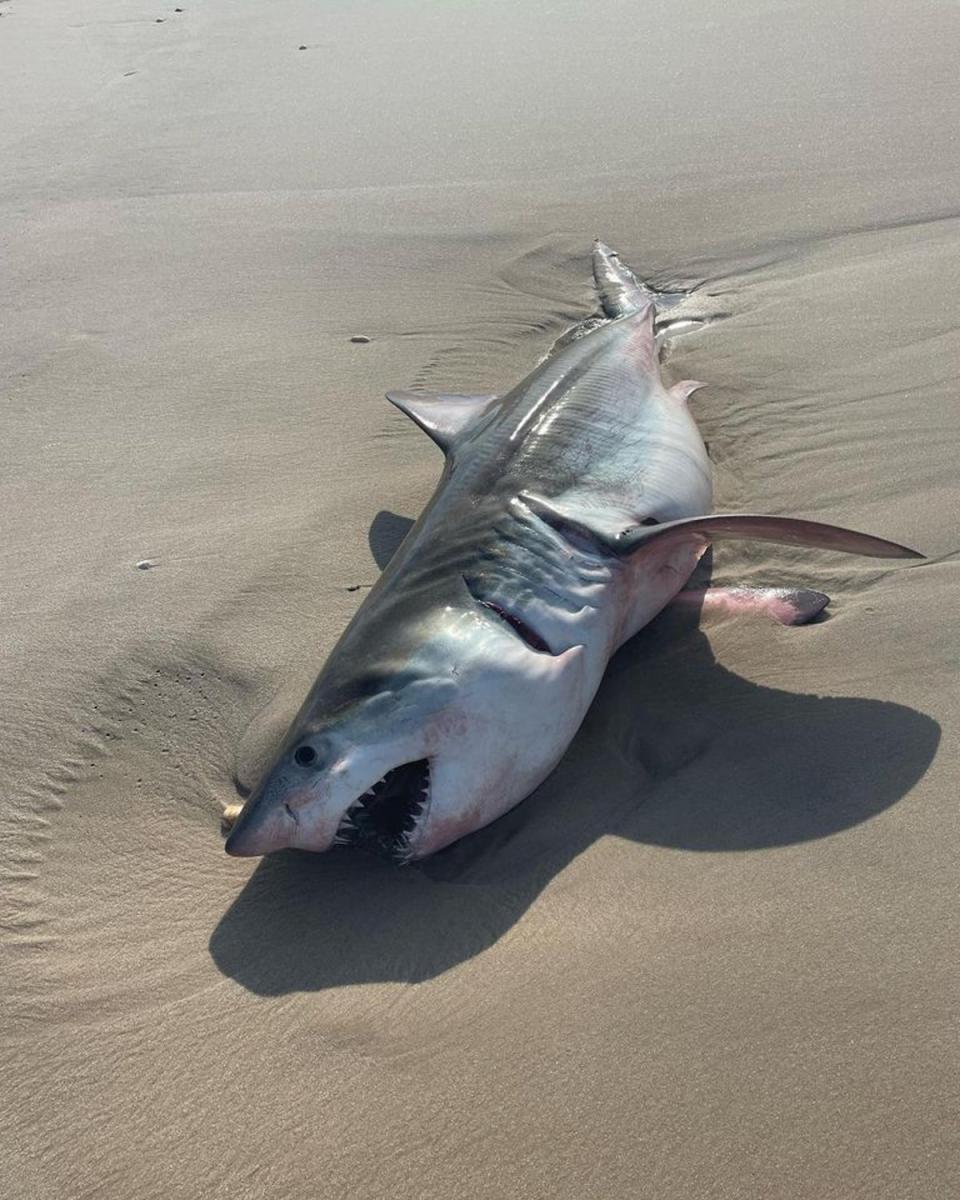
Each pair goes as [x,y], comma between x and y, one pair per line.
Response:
[619,289]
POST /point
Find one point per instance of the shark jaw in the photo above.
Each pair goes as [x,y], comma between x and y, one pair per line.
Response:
[388,819]
[390,815]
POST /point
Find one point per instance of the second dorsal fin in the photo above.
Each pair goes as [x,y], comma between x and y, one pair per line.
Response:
[444,417]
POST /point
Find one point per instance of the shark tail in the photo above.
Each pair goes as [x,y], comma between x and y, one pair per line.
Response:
[620,292]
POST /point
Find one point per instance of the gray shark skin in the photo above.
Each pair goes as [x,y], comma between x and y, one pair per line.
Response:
[569,512]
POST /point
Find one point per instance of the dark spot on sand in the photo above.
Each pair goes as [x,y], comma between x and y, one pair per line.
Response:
[301,47]
[145,564]
[360,338]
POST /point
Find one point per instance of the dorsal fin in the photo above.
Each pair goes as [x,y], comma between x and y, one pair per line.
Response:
[445,417]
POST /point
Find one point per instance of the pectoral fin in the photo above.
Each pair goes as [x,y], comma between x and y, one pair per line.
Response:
[445,418]
[790,531]
[788,606]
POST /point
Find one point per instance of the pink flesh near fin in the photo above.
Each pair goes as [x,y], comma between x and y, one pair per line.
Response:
[797,606]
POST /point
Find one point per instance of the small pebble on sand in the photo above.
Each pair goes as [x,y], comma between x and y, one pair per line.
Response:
[360,338]
[228,817]
[145,564]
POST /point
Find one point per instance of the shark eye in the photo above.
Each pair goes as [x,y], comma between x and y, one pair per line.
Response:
[304,755]
[649,521]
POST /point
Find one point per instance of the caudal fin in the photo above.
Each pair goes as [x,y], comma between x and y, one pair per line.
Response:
[620,292]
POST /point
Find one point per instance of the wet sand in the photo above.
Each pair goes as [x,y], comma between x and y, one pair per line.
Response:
[715,955]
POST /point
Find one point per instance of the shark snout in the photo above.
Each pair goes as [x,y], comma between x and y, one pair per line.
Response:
[262,828]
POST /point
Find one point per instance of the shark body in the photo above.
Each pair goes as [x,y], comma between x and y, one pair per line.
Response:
[570,511]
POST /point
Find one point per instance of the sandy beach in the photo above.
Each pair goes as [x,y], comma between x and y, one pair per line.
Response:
[715,955]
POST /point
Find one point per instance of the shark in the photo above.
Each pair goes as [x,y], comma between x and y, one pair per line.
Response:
[571,510]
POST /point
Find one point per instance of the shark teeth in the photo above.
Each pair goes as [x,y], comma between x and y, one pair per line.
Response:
[385,817]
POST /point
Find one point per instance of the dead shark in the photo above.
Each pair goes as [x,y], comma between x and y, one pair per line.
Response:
[570,511]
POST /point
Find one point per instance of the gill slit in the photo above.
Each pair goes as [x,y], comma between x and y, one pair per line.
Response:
[516,624]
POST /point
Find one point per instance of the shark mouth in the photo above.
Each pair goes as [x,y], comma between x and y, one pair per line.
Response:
[386,816]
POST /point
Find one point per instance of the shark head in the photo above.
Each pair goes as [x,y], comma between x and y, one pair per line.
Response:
[408,759]
[353,769]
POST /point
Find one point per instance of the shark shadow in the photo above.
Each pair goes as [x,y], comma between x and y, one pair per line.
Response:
[693,757]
